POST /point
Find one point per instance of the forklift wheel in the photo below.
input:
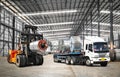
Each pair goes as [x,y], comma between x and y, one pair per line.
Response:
[38,60]
[8,59]
[40,57]
[20,60]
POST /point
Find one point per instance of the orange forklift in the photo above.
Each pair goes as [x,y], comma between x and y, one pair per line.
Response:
[30,49]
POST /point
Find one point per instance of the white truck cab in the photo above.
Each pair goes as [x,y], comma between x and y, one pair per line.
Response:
[96,50]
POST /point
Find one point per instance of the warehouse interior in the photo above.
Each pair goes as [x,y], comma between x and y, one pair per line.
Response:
[58,20]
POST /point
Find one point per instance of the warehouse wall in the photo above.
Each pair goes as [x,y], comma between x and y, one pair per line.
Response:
[6,30]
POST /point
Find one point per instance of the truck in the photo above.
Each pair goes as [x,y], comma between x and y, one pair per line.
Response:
[30,48]
[91,50]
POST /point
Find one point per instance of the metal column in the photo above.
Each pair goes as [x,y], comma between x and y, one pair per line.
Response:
[91,23]
[83,32]
[98,8]
[4,35]
[13,34]
[86,26]
[0,18]
[118,40]
[111,24]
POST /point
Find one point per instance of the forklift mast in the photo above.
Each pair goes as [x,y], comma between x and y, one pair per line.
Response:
[29,35]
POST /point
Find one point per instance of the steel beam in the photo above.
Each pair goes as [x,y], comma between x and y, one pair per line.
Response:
[13,34]
[118,40]
[98,8]
[86,26]
[83,32]
[111,24]
[91,23]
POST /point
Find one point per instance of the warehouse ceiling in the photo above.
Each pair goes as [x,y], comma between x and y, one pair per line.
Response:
[60,19]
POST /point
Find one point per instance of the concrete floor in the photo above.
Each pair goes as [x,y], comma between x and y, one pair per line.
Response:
[51,69]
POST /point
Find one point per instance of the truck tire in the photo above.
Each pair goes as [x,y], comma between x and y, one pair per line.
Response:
[103,64]
[84,61]
[55,60]
[59,61]
[67,61]
[20,60]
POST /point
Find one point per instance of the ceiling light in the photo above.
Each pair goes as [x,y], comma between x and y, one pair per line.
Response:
[56,34]
[56,30]
[106,24]
[64,36]
[52,24]
[107,12]
[50,12]
[101,30]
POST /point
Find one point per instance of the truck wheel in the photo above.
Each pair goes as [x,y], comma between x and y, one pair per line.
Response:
[55,60]
[88,63]
[20,60]
[84,61]
[59,61]
[104,64]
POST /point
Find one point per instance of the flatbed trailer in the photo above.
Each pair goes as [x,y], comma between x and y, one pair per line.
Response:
[70,58]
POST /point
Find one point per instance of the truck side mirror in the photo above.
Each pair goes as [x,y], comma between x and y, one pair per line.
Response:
[90,49]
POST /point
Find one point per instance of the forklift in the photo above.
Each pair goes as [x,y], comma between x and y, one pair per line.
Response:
[24,55]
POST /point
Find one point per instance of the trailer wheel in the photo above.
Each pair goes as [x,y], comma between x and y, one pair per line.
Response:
[20,60]
[67,61]
[103,64]
[72,61]
[55,60]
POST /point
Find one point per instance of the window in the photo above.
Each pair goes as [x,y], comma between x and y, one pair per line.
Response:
[90,47]
[86,46]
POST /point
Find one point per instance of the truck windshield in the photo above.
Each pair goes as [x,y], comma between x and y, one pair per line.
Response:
[101,47]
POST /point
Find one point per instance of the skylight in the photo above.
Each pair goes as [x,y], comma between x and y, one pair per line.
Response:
[50,12]
[51,24]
